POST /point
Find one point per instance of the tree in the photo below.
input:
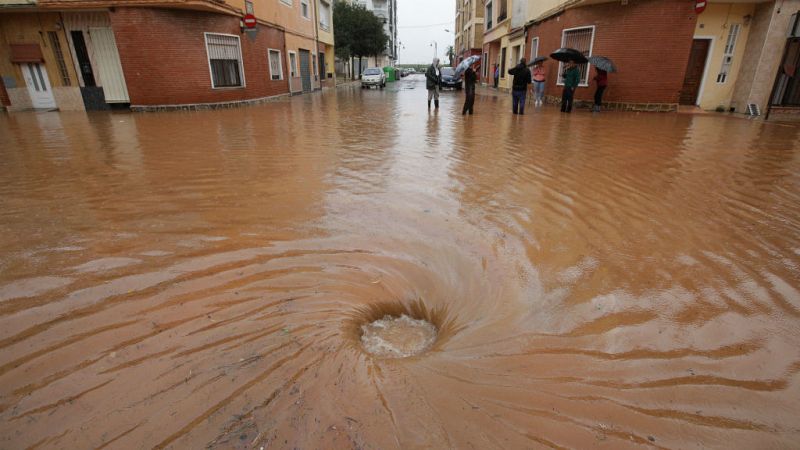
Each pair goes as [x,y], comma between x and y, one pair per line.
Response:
[357,32]
[451,55]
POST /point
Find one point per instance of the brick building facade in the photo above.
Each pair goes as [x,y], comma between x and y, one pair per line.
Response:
[650,39]
[178,73]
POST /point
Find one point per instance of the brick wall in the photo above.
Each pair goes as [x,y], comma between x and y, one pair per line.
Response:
[648,40]
[164,58]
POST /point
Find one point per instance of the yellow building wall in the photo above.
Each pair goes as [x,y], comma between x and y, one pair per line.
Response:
[537,8]
[715,23]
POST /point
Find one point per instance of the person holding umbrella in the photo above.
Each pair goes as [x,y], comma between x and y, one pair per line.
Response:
[601,78]
[433,78]
[470,78]
[519,86]
[572,77]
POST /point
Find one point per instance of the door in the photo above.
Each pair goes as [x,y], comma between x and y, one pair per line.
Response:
[694,72]
[108,65]
[38,86]
[787,87]
[305,70]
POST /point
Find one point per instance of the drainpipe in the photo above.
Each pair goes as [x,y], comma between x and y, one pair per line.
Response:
[316,40]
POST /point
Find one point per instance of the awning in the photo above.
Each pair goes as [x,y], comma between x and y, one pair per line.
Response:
[24,53]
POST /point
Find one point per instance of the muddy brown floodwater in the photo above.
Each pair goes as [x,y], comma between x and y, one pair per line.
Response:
[194,279]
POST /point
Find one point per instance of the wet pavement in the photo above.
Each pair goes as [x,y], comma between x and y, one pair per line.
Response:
[193,279]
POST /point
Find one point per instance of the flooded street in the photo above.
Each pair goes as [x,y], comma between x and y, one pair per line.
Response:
[203,279]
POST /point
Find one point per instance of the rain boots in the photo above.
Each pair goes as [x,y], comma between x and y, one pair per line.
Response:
[435,102]
[429,104]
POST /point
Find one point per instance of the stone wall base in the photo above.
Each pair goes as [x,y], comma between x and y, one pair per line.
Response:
[618,106]
[207,106]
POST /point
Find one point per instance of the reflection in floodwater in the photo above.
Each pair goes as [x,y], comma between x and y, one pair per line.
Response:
[201,279]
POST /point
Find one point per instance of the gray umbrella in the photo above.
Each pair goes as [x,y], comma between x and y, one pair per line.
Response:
[603,63]
[537,60]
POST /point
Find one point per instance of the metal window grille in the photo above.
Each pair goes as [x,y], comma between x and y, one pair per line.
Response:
[275,69]
[225,59]
[727,57]
[580,39]
[62,66]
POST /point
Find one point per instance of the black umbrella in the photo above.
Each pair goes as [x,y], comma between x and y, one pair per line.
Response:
[569,54]
[537,60]
[603,63]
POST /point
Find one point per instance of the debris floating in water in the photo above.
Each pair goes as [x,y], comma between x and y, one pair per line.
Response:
[397,337]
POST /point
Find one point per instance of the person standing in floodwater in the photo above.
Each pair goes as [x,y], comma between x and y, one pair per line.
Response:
[433,78]
[519,86]
[572,77]
[602,81]
[538,84]
[470,78]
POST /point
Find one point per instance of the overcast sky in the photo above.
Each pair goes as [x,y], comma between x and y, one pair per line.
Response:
[419,22]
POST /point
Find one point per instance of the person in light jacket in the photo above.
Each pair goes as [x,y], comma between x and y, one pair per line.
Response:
[538,83]
[433,79]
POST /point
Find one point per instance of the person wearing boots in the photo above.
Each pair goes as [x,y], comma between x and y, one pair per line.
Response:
[470,78]
[433,79]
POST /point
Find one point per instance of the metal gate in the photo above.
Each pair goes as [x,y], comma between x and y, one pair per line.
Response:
[305,70]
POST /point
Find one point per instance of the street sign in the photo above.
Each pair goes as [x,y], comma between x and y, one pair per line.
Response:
[250,21]
[700,6]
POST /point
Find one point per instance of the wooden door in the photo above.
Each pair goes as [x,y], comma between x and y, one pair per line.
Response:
[694,72]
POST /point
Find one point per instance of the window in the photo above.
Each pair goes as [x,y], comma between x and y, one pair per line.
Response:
[534,48]
[488,15]
[503,13]
[287,2]
[304,8]
[275,67]
[248,7]
[580,39]
[62,66]
[503,63]
[293,63]
[224,60]
[324,15]
[486,65]
[727,56]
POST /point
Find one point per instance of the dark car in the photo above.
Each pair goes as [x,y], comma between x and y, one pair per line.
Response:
[449,80]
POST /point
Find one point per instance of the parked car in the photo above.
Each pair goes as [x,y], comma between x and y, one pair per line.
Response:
[373,76]
[449,80]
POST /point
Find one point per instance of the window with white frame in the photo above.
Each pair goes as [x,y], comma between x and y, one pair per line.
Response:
[224,60]
[534,48]
[287,2]
[275,66]
[293,63]
[304,8]
[324,14]
[580,39]
[488,15]
[727,56]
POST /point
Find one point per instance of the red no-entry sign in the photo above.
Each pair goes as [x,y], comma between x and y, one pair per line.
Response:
[700,6]
[250,21]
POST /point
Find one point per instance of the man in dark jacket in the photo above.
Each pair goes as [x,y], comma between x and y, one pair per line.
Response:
[470,77]
[572,77]
[519,86]
[433,79]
